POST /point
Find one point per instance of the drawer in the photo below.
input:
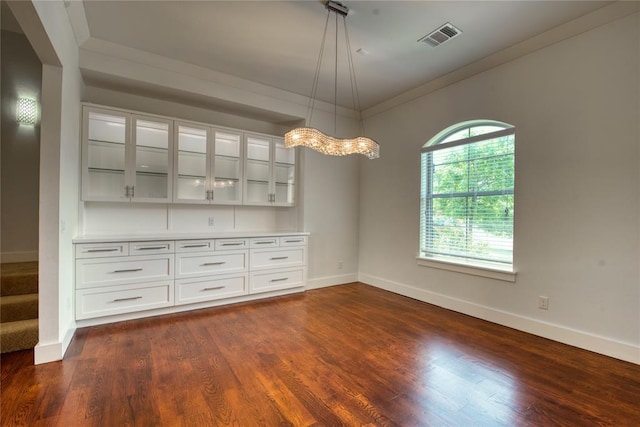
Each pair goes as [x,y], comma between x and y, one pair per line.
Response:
[108,301]
[293,241]
[201,289]
[228,244]
[95,272]
[273,281]
[146,248]
[264,242]
[202,264]
[101,250]
[277,258]
[194,245]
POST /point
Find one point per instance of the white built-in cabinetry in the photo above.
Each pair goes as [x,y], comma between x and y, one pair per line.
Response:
[129,156]
[157,276]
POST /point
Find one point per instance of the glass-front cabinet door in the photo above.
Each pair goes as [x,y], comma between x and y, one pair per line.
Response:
[258,170]
[152,142]
[125,157]
[270,171]
[284,174]
[227,167]
[104,155]
[192,163]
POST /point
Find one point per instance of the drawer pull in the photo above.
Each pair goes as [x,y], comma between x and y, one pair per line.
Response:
[278,257]
[214,263]
[279,280]
[130,270]
[264,243]
[213,288]
[204,245]
[294,241]
[126,299]
[232,244]
[149,248]
[103,250]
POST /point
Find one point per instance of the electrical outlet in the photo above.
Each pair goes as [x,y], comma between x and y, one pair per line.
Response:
[543,302]
[210,221]
[340,265]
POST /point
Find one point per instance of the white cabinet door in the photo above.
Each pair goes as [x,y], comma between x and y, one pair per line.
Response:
[105,143]
[210,288]
[284,171]
[258,170]
[192,159]
[265,281]
[152,159]
[208,263]
[227,167]
[270,171]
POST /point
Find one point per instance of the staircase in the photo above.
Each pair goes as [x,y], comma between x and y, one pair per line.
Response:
[18,306]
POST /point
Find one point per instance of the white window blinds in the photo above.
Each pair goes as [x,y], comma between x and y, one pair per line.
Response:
[467,194]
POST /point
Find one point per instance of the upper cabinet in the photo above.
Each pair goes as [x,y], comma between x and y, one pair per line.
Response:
[270,171]
[208,165]
[131,157]
[126,157]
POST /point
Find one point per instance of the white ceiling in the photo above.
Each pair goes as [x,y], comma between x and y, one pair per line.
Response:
[276,43]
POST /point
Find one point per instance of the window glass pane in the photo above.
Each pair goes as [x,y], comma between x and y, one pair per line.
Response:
[467,198]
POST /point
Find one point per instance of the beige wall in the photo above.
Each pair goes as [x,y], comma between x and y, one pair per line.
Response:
[575,108]
[21,77]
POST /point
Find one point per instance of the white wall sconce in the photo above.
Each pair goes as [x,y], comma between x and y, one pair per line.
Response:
[27,111]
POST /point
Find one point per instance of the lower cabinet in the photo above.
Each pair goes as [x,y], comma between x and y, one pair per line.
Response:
[110,300]
[202,289]
[115,278]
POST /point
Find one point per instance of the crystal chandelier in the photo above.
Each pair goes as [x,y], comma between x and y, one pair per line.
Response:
[315,139]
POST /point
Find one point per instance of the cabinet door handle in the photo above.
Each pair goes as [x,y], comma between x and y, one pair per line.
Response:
[213,288]
[265,242]
[126,299]
[126,191]
[103,250]
[133,191]
[279,257]
[214,263]
[148,248]
[279,280]
[195,246]
[232,244]
[130,270]
[294,241]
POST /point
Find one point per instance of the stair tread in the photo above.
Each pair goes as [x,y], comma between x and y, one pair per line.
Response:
[18,335]
[19,278]
[17,325]
[18,307]
[16,299]
[19,268]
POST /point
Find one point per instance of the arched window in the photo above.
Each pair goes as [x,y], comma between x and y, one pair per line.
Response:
[467,197]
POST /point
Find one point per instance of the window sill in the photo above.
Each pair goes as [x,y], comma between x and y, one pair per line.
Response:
[489,271]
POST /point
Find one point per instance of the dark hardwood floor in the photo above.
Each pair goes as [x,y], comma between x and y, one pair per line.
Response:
[346,355]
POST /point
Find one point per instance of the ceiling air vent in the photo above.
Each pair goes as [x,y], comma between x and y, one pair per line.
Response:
[441,35]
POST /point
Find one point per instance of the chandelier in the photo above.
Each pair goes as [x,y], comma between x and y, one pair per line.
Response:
[313,138]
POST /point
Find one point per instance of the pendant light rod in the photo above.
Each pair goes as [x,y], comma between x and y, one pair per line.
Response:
[315,139]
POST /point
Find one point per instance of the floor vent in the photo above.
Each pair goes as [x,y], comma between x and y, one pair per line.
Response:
[441,35]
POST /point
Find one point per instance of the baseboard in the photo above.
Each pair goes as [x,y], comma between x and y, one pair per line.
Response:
[598,344]
[25,256]
[323,282]
[54,351]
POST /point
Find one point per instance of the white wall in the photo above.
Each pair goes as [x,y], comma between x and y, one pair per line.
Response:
[47,27]
[575,108]
[21,78]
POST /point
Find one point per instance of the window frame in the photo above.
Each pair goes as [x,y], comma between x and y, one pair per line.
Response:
[467,265]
